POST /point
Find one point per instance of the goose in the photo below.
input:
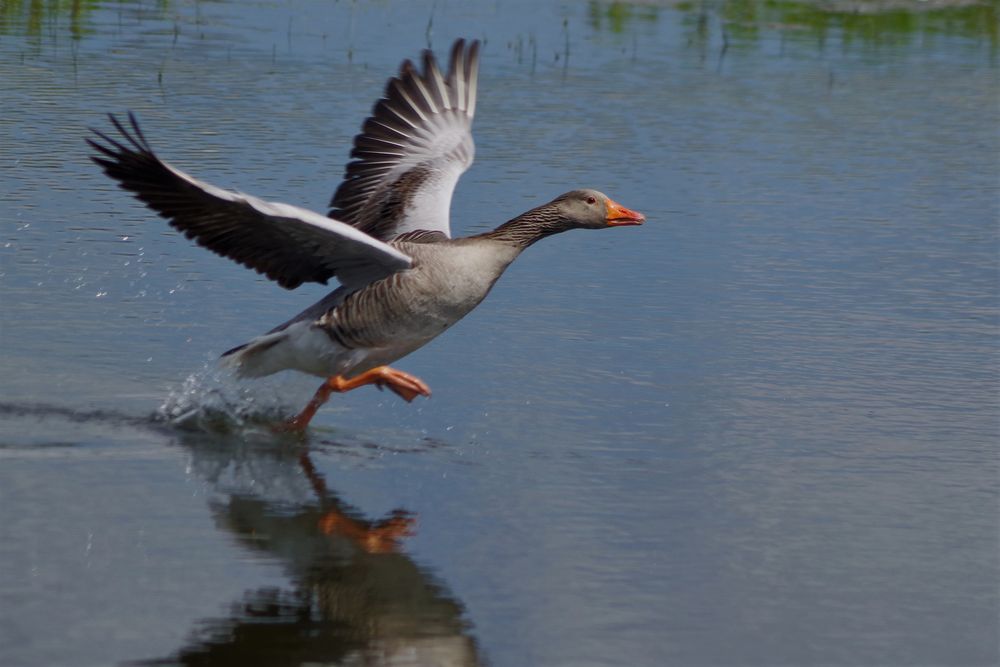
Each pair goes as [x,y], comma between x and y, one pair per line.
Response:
[403,279]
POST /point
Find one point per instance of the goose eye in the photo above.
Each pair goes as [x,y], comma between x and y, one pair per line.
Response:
[591,200]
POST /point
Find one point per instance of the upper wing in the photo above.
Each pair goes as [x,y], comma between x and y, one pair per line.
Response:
[288,244]
[412,149]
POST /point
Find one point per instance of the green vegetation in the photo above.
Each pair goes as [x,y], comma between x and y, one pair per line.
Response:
[615,16]
[864,21]
[30,17]
[852,21]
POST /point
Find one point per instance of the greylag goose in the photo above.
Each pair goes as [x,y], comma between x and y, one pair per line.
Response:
[387,239]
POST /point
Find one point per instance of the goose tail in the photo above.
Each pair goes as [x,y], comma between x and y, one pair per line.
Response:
[257,358]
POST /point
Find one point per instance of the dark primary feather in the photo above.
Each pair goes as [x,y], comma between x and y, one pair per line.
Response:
[287,244]
[417,141]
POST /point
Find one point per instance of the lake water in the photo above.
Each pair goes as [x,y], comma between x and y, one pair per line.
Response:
[761,429]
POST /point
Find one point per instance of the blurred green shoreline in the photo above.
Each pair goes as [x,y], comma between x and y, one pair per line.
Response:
[864,21]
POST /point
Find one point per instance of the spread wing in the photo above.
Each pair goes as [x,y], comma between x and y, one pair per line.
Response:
[412,149]
[289,245]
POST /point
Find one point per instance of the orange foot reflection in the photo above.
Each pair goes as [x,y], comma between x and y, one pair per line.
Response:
[376,538]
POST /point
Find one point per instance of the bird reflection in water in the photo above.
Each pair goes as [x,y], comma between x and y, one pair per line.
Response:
[355,596]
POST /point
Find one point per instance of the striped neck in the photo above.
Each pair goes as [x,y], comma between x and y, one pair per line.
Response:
[529,227]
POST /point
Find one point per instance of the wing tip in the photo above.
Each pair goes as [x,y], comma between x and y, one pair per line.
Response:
[113,148]
[403,119]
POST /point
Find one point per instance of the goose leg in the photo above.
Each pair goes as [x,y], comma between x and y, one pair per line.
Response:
[403,384]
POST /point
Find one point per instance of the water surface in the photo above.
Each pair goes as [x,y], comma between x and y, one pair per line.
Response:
[760,429]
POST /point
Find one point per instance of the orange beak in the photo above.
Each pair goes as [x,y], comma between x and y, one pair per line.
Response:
[619,216]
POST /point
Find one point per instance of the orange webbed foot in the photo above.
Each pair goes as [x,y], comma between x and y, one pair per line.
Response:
[407,386]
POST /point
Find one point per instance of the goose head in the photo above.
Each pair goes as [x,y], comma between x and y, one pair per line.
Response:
[591,209]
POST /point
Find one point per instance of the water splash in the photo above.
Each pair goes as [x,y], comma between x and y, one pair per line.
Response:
[212,399]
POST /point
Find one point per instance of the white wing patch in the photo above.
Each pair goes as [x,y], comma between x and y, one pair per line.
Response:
[413,149]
